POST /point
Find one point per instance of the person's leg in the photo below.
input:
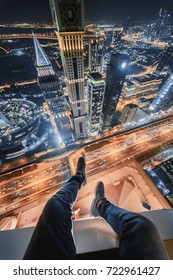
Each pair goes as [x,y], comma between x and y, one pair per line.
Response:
[53,236]
[139,238]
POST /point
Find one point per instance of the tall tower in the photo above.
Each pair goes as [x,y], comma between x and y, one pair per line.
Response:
[160,28]
[68,19]
[96,90]
[166,60]
[50,87]
[126,26]
[161,23]
[164,99]
[93,53]
[115,76]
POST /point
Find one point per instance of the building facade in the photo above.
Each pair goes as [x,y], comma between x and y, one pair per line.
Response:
[96,90]
[69,22]
[51,89]
[128,113]
[93,55]
[50,86]
[158,29]
[165,65]
[115,76]
[164,99]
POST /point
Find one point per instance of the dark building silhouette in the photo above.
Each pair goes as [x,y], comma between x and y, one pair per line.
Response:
[166,60]
[93,54]
[161,24]
[158,29]
[126,26]
[115,76]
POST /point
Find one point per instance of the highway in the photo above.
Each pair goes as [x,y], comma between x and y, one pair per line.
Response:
[50,36]
[118,131]
[119,149]
[45,178]
[32,183]
[115,132]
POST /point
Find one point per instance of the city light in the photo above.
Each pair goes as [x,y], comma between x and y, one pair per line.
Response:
[123,65]
[100,90]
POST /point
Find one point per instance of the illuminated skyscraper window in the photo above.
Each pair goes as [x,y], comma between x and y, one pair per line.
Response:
[68,20]
[96,89]
[115,76]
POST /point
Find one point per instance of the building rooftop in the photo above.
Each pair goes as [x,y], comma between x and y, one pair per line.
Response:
[128,84]
[146,78]
[132,106]
[139,115]
[96,76]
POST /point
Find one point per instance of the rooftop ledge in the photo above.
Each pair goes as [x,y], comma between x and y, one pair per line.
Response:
[91,235]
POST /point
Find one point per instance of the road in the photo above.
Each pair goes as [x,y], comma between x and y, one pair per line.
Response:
[50,36]
[44,178]
[31,183]
[104,154]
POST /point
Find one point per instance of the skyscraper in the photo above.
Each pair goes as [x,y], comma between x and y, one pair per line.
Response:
[93,54]
[115,76]
[126,26]
[158,29]
[96,89]
[164,99]
[161,23]
[69,21]
[166,60]
[50,87]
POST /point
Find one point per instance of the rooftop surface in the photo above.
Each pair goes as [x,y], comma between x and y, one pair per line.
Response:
[96,76]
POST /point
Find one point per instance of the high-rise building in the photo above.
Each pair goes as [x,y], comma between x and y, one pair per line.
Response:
[104,62]
[69,22]
[164,99]
[128,113]
[166,61]
[126,26]
[145,85]
[96,90]
[115,76]
[117,34]
[158,29]
[93,54]
[161,24]
[51,89]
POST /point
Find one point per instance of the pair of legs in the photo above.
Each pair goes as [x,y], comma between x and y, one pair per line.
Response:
[53,235]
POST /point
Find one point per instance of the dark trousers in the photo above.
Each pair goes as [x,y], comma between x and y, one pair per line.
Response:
[53,239]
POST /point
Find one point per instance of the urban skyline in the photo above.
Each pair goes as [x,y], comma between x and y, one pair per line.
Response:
[110,11]
[92,89]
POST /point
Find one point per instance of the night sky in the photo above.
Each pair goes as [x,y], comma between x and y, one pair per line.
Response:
[95,10]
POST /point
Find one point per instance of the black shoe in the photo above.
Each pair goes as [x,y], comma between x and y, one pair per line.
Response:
[99,195]
[81,169]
